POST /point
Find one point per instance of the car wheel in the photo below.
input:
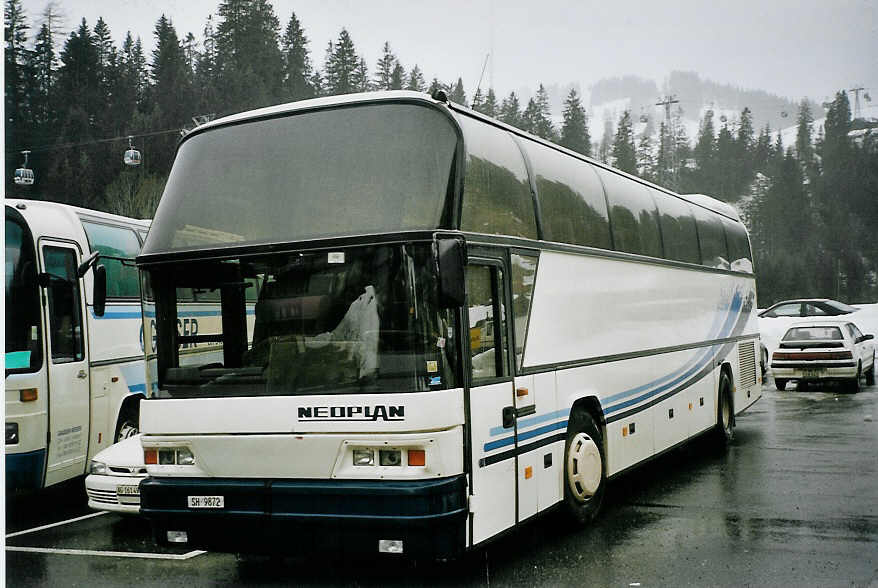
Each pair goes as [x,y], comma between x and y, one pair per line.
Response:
[870,373]
[780,384]
[584,477]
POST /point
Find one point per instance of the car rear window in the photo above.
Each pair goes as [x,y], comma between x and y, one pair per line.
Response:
[808,333]
[841,306]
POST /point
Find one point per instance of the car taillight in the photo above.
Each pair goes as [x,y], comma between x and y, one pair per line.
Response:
[812,355]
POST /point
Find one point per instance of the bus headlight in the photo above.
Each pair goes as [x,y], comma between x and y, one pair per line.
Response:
[168,456]
[98,468]
[390,457]
[364,457]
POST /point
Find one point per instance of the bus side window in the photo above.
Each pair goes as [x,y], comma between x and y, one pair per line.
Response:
[633,214]
[740,258]
[122,279]
[487,322]
[572,204]
[712,239]
[65,317]
[496,192]
[678,228]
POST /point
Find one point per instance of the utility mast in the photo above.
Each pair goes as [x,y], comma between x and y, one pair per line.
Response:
[667,101]
[856,92]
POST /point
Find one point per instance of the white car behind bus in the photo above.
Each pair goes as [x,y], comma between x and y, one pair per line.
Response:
[114,477]
[824,350]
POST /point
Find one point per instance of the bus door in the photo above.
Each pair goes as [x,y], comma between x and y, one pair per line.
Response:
[69,397]
[492,400]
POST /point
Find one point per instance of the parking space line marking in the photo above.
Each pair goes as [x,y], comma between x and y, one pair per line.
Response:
[135,554]
[35,529]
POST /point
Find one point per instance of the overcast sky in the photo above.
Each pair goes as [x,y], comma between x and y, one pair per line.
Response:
[793,48]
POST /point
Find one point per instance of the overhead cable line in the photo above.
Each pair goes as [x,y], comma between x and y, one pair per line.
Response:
[44,148]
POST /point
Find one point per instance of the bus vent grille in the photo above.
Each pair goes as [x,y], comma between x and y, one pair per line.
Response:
[747,363]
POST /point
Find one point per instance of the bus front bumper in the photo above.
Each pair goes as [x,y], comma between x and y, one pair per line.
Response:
[428,517]
[24,471]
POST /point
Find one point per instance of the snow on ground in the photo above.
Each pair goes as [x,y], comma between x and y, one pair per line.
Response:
[772,329]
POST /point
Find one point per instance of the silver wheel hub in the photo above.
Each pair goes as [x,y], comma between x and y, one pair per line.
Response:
[584,467]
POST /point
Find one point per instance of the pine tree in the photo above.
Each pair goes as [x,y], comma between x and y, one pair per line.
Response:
[726,177]
[15,75]
[762,150]
[416,81]
[457,94]
[476,104]
[646,161]
[543,126]
[42,68]
[605,150]
[574,130]
[342,65]
[206,72]
[804,145]
[78,78]
[624,155]
[384,69]
[705,155]
[510,111]
[249,62]
[529,116]
[397,78]
[173,98]
[489,106]
[297,61]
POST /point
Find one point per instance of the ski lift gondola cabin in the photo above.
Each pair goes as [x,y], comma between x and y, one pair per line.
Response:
[24,176]
[132,155]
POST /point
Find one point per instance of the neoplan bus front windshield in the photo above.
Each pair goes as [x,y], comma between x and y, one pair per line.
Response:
[361,320]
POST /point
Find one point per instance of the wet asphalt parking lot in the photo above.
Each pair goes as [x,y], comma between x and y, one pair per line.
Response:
[794,502]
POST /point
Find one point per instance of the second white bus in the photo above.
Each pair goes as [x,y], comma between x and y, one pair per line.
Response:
[73,349]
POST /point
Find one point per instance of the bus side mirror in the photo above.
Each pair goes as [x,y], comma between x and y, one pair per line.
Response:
[451,261]
[100,290]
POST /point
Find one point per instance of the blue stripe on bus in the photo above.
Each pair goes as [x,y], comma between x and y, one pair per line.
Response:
[524,423]
[131,314]
[525,436]
[690,368]
[682,377]
[698,360]
[137,388]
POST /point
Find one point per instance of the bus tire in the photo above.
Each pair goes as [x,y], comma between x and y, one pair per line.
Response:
[128,424]
[724,431]
[584,471]
[780,384]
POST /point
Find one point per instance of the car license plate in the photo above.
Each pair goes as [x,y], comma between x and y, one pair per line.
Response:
[128,490]
[812,373]
[206,502]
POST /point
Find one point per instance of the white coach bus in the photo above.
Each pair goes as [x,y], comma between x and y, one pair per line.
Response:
[74,356]
[457,326]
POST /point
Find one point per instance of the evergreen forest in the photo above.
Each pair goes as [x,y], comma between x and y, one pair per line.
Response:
[77,102]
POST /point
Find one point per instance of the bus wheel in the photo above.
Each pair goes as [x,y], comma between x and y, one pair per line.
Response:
[583,468]
[129,422]
[780,384]
[724,431]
